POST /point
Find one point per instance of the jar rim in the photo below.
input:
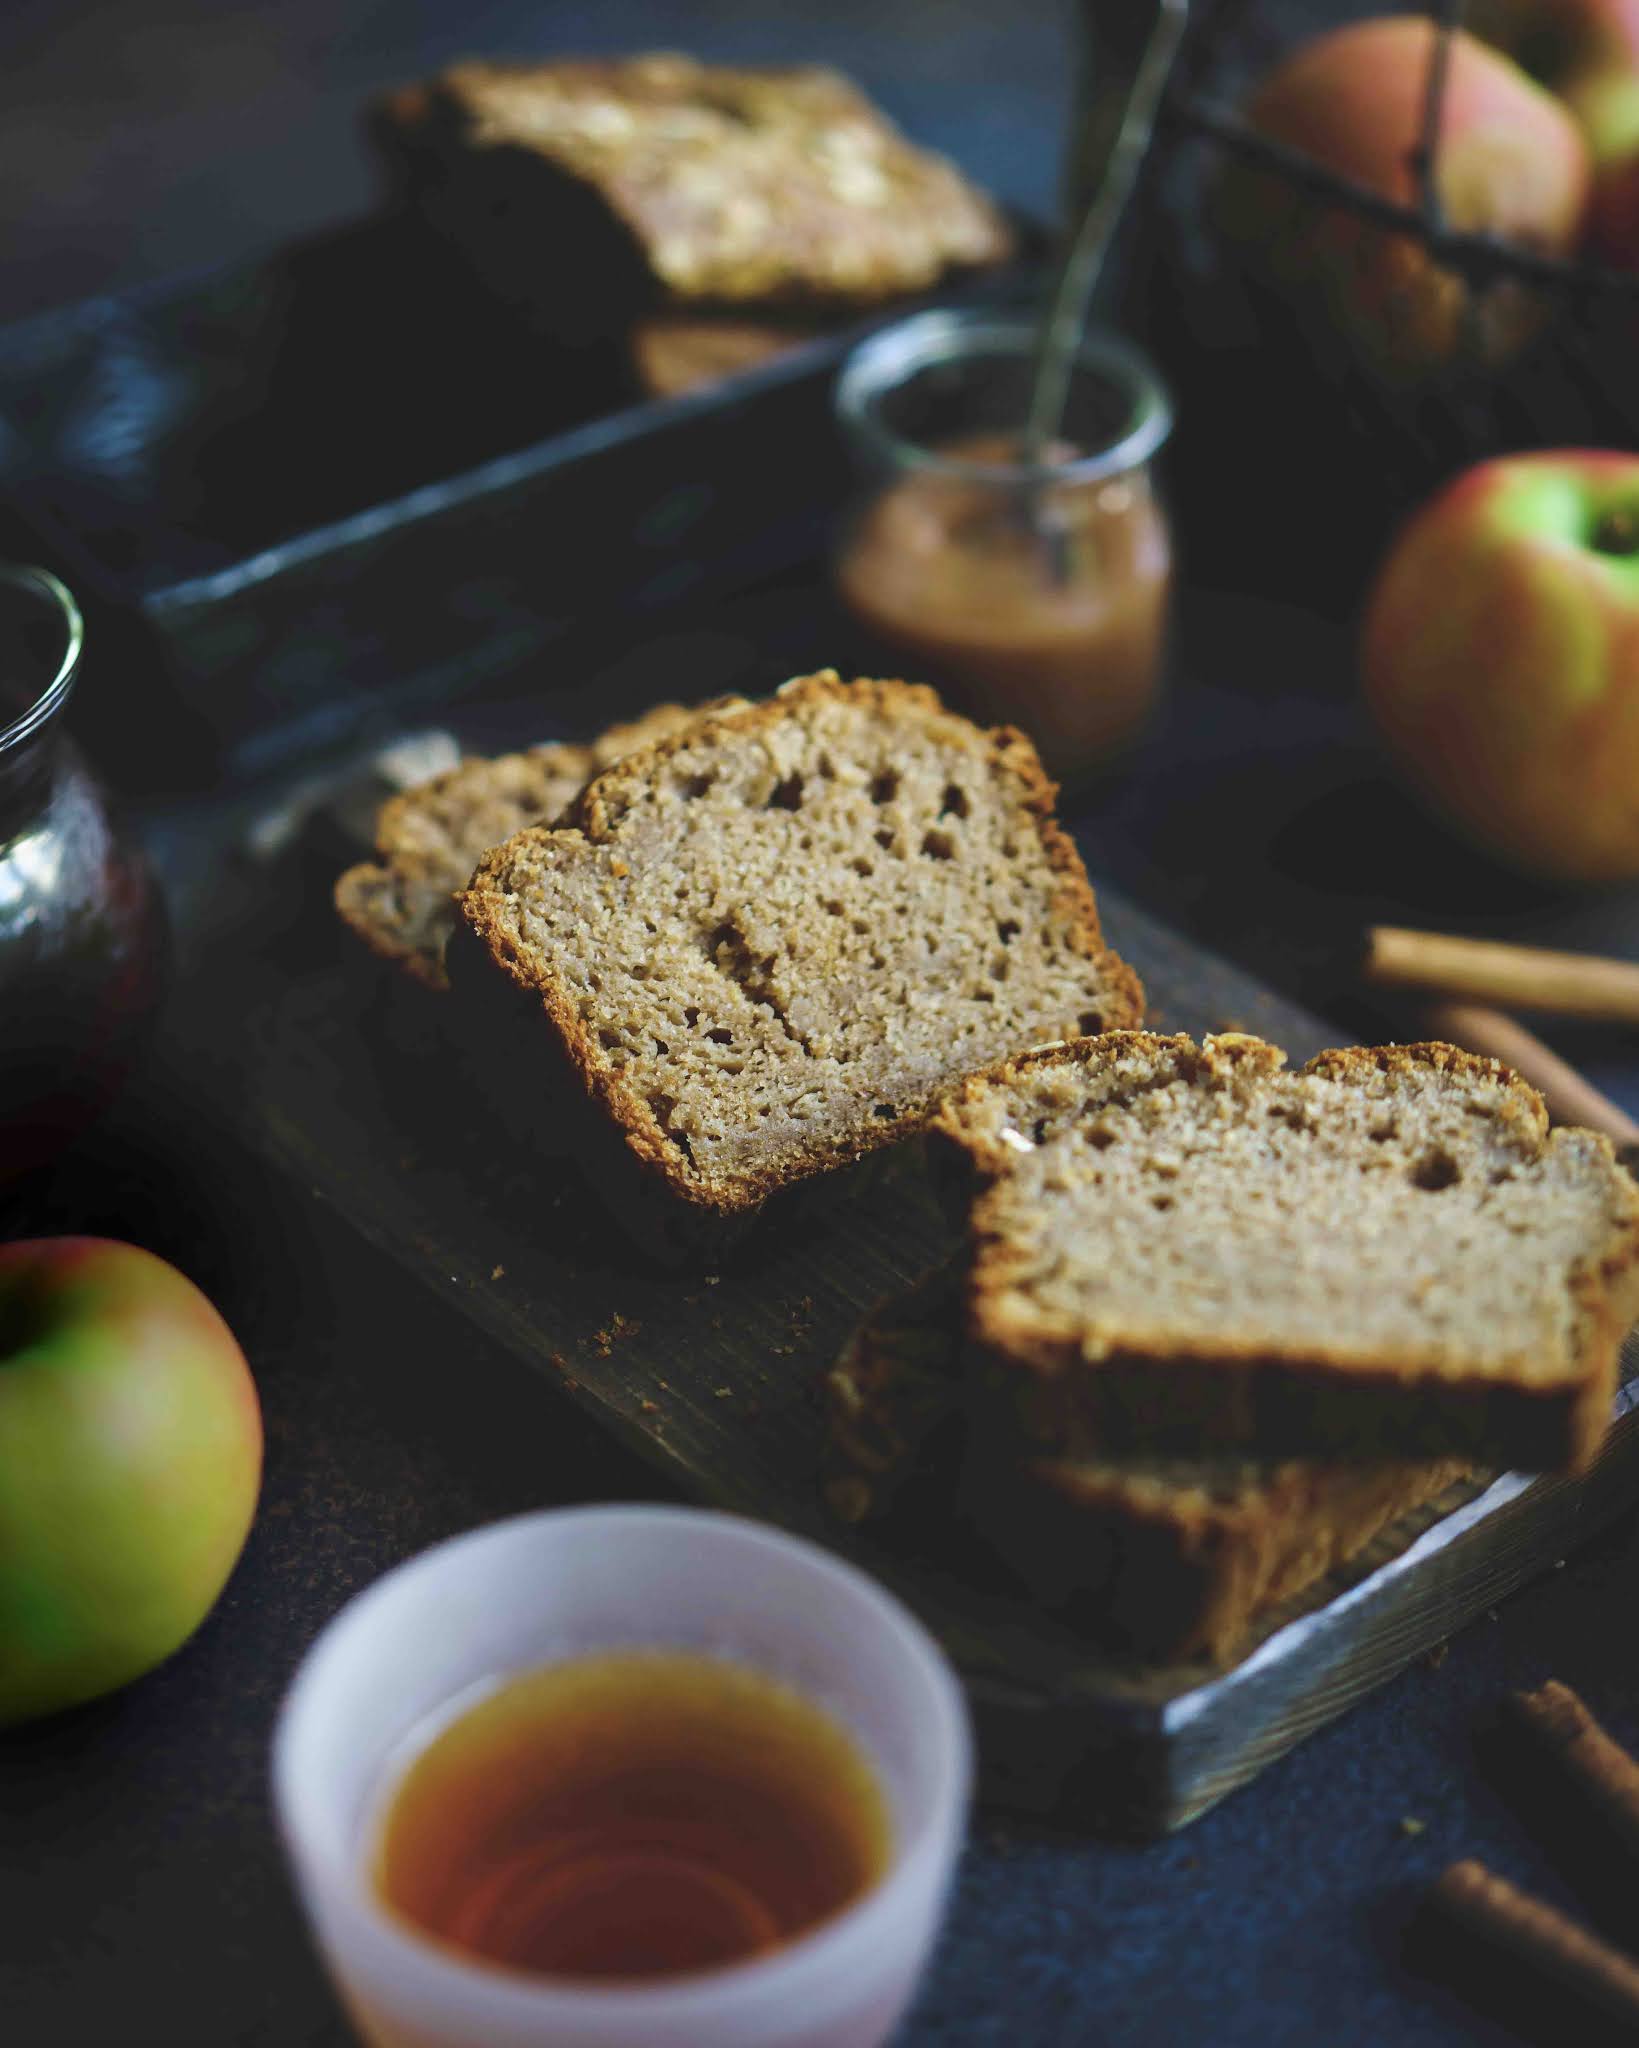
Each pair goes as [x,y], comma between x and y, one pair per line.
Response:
[45,706]
[893,354]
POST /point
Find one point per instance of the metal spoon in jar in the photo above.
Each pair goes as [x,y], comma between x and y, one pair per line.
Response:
[1064,317]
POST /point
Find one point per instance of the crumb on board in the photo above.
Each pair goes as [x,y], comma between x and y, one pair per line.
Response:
[712,1279]
[722,1393]
[604,1341]
[649,1407]
[1411,1826]
[497,1272]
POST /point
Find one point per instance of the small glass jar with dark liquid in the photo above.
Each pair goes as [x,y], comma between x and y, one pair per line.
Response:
[82,931]
[1030,594]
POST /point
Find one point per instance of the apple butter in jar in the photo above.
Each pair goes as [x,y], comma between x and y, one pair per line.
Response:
[1032,594]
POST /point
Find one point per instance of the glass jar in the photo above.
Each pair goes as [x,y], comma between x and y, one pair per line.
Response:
[1035,596]
[82,930]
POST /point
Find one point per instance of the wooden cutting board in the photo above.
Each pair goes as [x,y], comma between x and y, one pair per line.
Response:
[713,1377]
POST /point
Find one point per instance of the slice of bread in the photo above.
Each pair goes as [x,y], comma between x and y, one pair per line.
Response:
[431,837]
[1386,1254]
[766,946]
[1160,1559]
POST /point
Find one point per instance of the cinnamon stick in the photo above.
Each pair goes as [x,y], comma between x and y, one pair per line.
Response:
[1526,1935]
[1515,977]
[1591,1764]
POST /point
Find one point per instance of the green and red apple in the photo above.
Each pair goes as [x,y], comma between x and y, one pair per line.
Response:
[1500,657]
[130,1462]
[1587,52]
[1512,163]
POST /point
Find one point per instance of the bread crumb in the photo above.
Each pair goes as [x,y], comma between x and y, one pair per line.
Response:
[723,1393]
[497,1272]
[1411,1826]
[649,1407]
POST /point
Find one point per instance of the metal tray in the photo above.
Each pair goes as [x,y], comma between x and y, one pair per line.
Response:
[312,490]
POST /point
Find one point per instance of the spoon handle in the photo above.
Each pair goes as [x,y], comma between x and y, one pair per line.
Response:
[1065,316]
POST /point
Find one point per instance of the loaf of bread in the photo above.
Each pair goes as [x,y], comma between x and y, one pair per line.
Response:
[1159,1559]
[689,183]
[431,837]
[1178,1248]
[765,947]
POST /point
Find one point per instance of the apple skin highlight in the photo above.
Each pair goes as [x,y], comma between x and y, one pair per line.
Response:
[1500,658]
[130,1465]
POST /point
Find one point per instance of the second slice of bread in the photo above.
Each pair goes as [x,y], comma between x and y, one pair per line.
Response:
[1385,1254]
[430,838]
[1159,1558]
[766,946]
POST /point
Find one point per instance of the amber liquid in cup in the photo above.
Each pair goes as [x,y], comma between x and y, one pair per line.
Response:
[640,1814]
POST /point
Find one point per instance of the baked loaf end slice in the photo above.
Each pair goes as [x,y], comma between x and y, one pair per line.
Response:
[710,183]
[430,838]
[1385,1254]
[766,945]
[1157,1558]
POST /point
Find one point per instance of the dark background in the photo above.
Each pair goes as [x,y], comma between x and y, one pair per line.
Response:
[140,1890]
[139,140]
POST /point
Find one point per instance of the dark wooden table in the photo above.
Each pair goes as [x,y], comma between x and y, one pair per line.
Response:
[140,1883]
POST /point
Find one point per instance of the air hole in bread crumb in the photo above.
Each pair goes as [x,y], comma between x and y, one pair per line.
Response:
[938,845]
[1038,1130]
[1436,1170]
[1090,1023]
[786,795]
[661,1047]
[955,803]
[886,787]
[1008,930]
[606,1037]
[1381,1133]
[721,1036]
[696,786]
[862,866]
[884,837]
[833,906]
[691,1016]
[1160,1201]
[883,1109]
[1100,1137]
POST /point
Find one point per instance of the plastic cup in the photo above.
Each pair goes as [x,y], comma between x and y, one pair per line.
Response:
[574,1582]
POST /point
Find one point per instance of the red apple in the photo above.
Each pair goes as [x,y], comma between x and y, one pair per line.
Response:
[1501,658]
[1586,51]
[1511,163]
[130,1460]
